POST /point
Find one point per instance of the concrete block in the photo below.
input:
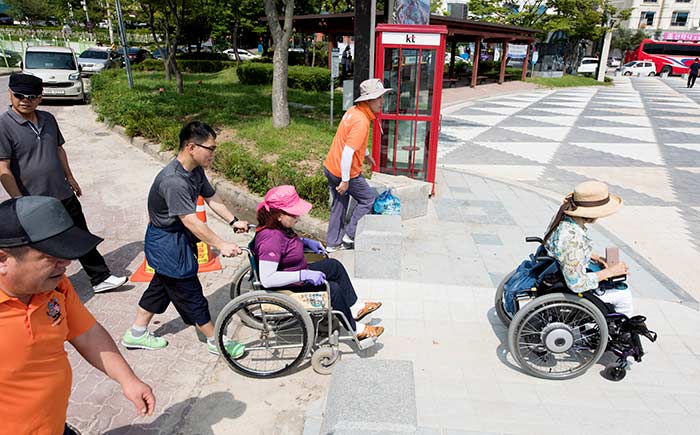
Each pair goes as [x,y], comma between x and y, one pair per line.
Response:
[370,396]
[378,247]
[414,194]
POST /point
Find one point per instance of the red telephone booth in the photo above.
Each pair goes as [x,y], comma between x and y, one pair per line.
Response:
[410,59]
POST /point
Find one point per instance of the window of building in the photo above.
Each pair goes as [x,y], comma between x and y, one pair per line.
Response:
[682,1]
[679,18]
[647,18]
[648,1]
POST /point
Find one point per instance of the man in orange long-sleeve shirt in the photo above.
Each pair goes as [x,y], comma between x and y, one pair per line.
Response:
[343,165]
[40,311]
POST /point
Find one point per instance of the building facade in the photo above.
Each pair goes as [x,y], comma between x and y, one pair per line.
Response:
[659,17]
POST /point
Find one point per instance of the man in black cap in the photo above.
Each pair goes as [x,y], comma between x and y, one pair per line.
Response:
[33,162]
[40,311]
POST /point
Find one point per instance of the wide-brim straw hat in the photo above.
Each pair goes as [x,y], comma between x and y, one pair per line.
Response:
[591,199]
[371,89]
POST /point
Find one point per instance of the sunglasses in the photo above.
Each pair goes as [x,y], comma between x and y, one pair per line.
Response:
[21,96]
[210,149]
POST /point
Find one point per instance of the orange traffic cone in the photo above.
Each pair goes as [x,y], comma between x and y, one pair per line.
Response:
[207,260]
[143,274]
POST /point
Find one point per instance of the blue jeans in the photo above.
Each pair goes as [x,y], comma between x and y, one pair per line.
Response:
[363,194]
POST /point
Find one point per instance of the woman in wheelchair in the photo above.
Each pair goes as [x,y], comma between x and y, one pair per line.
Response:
[280,252]
[568,242]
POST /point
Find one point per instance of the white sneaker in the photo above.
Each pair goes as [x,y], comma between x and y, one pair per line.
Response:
[110,284]
[348,240]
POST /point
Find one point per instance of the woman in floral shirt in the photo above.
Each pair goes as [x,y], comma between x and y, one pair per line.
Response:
[567,240]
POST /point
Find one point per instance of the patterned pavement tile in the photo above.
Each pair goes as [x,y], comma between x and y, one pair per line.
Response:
[642,137]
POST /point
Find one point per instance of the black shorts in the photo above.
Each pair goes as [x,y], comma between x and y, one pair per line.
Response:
[185,293]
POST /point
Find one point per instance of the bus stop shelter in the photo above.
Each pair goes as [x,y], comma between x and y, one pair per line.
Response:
[458,31]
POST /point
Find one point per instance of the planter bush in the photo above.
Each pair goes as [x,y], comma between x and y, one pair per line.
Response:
[189,66]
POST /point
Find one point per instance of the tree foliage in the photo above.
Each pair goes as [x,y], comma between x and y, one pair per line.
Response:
[627,39]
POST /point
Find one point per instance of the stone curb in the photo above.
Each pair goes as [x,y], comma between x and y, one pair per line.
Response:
[243,202]
[671,285]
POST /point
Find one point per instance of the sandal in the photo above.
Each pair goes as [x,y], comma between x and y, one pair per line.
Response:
[369,308]
[370,332]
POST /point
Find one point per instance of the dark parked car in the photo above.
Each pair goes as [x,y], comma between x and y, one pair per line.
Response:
[136,54]
[159,53]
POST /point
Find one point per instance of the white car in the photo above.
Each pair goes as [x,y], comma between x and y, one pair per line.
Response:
[243,54]
[588,65]
[58,69]
[639,68]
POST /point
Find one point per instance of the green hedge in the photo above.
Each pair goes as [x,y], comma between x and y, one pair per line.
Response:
[189,66]
[300,77]
[203,56]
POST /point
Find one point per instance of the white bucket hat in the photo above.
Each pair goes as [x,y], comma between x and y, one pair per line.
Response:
[371,89]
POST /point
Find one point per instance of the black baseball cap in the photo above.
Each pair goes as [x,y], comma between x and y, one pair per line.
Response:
[44,224]
[26,84]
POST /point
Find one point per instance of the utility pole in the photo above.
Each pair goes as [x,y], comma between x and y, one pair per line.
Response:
[122,31]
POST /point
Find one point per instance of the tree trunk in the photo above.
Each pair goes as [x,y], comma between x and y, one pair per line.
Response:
[280,106]
[280,36]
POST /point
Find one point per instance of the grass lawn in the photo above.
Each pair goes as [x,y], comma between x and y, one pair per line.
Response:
[568,81]
[250,150]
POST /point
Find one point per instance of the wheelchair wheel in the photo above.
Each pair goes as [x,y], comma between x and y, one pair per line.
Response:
[498,302]
[324,359]
[242,282]
[558,336]
[278,340]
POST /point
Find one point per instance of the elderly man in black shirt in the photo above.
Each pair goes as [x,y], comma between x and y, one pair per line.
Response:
[33,162]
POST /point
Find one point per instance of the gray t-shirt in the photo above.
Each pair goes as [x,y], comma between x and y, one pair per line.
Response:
[33,154]
[174,193]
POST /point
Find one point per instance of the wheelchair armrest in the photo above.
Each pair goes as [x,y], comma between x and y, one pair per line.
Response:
[534,239]
[542,258]
[618,278]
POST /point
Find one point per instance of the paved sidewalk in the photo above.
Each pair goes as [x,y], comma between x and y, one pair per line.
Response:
[196,392]
[439,315]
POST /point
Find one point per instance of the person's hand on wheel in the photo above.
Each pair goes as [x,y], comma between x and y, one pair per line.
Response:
[312,277]
[229,249]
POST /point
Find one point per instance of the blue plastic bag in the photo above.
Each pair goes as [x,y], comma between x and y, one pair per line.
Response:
[386,203]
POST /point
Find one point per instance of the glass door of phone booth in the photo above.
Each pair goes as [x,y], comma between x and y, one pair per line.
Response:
[410,59]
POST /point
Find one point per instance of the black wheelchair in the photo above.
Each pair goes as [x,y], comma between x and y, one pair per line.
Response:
[281,326]
[554,333]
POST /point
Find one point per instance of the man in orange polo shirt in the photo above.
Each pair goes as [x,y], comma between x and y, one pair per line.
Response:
[40,311]
[343,165]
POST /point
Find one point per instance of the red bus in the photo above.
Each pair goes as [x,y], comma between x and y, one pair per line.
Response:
[670,57]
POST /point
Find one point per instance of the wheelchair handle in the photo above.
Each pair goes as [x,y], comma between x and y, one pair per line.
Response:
[545,258]
[534,239]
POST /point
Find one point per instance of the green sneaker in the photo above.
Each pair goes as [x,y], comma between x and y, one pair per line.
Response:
[146,341]
[233,348]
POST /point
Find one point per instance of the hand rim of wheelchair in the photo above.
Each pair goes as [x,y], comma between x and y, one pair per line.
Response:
[558,337]
[241,305]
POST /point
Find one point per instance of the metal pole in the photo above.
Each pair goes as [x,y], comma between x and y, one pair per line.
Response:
[122,31]
[372,25]
[332,82]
